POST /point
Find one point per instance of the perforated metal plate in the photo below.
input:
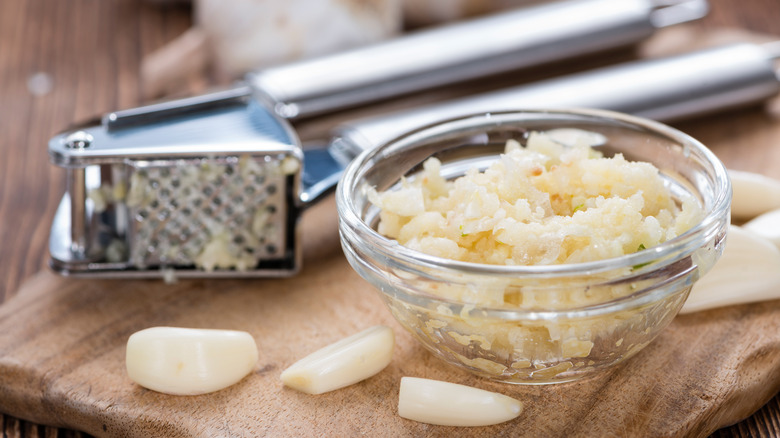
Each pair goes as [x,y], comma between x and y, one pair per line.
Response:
[227,212]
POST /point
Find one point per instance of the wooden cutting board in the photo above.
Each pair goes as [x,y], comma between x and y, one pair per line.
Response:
[62,361]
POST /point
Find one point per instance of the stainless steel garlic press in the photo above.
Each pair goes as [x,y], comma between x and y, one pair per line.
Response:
[214,185]
[664,89]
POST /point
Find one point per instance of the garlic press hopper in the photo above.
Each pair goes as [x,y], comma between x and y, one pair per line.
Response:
[207,184]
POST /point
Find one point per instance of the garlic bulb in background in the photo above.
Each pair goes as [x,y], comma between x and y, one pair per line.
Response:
[237,36]
[244,35]
[426,12]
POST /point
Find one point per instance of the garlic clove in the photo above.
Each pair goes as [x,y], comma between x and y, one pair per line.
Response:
[748,271]
[186,361]
[450,404]
[767,226]
[343,363]
[753,194]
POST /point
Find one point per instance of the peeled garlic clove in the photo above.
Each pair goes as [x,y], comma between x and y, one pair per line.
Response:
[450,404]
[767,226]
[748,271]
[185,361]
[754,194]
[343,363]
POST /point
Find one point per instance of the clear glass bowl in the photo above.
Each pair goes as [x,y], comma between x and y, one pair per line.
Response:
[584,317]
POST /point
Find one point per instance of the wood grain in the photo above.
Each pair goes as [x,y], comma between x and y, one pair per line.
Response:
[92,49]
[65,364]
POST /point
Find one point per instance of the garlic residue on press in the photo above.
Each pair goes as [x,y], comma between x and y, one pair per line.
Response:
[450,404]
[217,254]
[343,363]
[107,194]
[214,213]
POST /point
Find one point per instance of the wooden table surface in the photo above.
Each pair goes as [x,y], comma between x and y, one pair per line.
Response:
[63,61]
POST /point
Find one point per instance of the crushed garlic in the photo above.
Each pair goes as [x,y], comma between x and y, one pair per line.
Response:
[537,205]
[548,202]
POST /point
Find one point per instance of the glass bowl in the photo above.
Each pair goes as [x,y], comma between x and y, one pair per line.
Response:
[557,322]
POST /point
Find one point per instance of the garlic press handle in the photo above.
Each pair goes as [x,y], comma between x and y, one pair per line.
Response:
[663,89]
[469,50]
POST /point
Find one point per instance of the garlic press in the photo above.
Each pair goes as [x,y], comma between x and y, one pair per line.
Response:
[214,185]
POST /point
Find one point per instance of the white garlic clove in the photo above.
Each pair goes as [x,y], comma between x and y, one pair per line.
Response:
[450,404]
[767,226]
[748,271]
[343,363]
[753,194]
[185,361]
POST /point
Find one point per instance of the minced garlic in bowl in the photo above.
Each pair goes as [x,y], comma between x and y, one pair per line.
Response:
[541,204]
[528,259]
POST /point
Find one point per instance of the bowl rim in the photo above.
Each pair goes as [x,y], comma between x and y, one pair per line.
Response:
[685,243]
